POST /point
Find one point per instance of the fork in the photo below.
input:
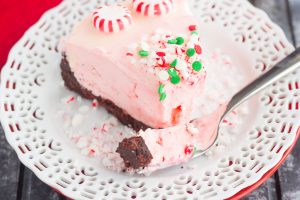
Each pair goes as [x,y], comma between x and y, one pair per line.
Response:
[281,69]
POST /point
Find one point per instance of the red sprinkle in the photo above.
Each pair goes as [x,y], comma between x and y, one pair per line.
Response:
[188,149]
[160,53]
[94,103]
[198,49]
[129,54]
[192,27]
[71,99]
[163,158]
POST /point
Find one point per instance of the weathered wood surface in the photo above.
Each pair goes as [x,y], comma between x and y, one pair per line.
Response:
[266,191]
[294,8]
[19,183]
[9,170]
[34,189]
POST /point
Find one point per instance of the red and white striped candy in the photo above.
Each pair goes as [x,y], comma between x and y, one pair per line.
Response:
[152,7]
[112,18]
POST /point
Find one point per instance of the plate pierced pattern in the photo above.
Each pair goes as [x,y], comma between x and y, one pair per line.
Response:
[24,112]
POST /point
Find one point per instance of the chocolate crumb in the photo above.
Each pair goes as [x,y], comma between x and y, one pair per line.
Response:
[134,152]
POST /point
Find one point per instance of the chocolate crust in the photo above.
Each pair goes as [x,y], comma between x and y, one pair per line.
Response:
[134,152]
[72,83]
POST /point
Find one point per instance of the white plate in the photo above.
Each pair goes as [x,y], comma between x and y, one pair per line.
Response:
[30,89]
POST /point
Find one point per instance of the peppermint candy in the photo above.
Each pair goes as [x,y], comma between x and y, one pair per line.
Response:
[112,18]
[152,7]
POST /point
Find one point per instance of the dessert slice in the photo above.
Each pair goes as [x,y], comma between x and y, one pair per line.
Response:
[158,148]
[141,61]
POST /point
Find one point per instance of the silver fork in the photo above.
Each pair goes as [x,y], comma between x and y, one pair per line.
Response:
[284,67]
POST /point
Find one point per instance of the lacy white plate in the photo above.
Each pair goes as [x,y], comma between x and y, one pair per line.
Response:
[26,107]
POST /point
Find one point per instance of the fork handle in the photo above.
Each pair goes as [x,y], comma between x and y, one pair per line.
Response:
[284,67]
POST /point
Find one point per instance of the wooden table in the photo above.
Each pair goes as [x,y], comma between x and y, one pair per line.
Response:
[19,183]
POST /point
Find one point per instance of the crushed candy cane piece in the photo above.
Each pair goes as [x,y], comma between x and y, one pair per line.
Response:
[77,120]
[83,109]
[94,103]
[163,75]
[71,99]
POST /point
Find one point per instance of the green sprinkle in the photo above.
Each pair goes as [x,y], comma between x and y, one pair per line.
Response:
[190,52]
[197,66]
[143,53]
[175,80]
[172,41]
[174,63]
[172,72]
[194,32]
[162,96]
[180,40]
[161,88]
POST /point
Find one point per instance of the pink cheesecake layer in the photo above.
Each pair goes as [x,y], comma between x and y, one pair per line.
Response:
[98,61]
